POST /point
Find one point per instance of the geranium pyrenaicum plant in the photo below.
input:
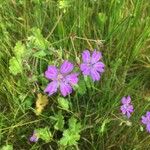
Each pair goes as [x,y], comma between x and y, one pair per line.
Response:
[61,78]
[127,107]
[146,120]
[92,66]
[34,137]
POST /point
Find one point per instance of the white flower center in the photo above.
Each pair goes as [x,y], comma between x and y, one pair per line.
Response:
[60,77]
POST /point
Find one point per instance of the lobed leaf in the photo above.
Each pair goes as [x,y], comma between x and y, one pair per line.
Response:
[63,103]
[41,102]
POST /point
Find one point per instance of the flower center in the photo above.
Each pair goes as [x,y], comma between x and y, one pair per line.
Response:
[90,65]
[59,77]
[126,106]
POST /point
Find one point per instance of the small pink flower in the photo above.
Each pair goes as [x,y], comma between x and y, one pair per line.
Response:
[61,79]
[92,66]
[146,120]
[126,107]
[34,137]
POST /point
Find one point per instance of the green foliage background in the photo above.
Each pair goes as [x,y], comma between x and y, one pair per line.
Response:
[35,33]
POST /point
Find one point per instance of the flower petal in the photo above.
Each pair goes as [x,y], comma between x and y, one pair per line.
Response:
[123,110]
[148,128]
[66,67]
[128,99]
[51,88]
[125,100]
[72,78]
[130,108]
[148,114]
[85,69]
[144,120]
[128,114]
[99,66]
[33,138]
[96,56]
[65,89]
[86,56]
[95,75]
[51,72]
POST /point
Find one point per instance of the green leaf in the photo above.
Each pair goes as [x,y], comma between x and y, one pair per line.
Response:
[19,49]
[71,135]
[81,87]
[28,103]
[63,103]
[102,17]
[141,129]
[69,138]
[39,41]
[73,125]
[44,134]
[60,121]
[88,81]
[7,147]
[37,2]
[15,66]
[40,53]
[64,4]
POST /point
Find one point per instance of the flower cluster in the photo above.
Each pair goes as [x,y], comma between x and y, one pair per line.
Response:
[64,79]
[127,108]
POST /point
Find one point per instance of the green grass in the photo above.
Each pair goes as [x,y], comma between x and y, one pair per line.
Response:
[118,28]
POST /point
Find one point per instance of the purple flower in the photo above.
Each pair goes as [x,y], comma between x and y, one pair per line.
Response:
[34,137]
[146,120]
[126,107]
[92,66]
[61,78]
